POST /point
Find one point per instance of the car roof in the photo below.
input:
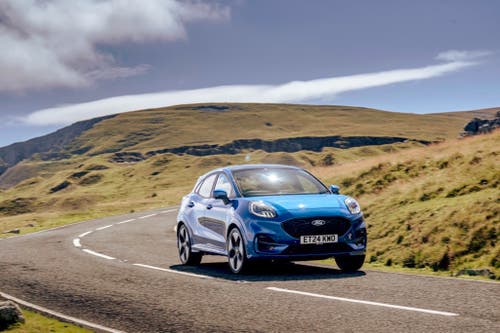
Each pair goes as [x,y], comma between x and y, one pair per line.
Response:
[231,168]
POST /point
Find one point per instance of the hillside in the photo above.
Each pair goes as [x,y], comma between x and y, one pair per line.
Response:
[54,142]
[206,129]
[436,207]
[426,205]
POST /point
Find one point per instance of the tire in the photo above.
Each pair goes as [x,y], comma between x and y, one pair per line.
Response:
[186,254]
[350,263]
[236,254]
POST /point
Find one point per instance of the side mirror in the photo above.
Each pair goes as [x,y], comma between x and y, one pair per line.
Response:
[334,189]
[222,195]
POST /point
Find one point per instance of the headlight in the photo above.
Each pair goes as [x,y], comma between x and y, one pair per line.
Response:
[259,208]
[352,205]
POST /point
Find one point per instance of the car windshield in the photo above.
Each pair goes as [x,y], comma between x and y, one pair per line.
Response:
[276,181]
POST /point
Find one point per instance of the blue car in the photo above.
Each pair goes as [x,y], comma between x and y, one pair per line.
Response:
[269,212]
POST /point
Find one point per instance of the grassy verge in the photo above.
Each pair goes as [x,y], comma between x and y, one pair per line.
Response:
[37,323]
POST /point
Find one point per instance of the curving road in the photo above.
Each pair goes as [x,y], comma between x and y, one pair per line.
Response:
[122,272]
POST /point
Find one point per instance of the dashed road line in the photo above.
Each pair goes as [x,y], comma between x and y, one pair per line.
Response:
[85,234]
[76,242]
[146,216]
[343,299]
[105,227]
[126,221]
[174,271]
[168,211]
[97,254]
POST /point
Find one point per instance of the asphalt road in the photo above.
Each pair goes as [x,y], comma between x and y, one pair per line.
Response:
[124,274]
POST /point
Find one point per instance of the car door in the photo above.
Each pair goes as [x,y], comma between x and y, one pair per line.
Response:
[198,206]
[217,214]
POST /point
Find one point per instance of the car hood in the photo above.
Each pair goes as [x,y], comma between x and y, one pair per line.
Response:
[310,204]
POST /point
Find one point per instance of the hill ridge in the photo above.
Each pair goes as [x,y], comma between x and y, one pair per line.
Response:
[53,142]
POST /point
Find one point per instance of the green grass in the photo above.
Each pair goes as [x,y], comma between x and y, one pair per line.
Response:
[36,323]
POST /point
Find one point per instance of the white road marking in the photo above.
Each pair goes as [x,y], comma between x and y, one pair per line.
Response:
[408,308]
[174,271]
[126,221]
[58,315]
[85,234]
[76,242]
[168,211]
[105,227]
[146,216]
[97,254]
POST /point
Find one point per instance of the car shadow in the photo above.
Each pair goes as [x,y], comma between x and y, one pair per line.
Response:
[274,271]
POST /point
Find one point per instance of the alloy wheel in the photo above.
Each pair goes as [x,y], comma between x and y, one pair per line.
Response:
[236,251]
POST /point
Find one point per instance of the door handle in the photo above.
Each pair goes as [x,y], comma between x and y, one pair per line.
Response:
[209,206]
[190,204]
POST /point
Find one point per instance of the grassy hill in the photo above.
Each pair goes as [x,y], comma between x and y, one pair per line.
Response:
[423,203]
[215,124]
[436,207]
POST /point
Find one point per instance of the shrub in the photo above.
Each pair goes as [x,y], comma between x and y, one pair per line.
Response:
[400,239]
[60,187]
[478,241]
[92,179]
[410,261]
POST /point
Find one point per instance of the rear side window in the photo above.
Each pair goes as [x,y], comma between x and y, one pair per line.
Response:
[206,187]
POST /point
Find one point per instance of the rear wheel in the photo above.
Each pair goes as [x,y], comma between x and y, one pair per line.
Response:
[236,255]
[186,254]
[350,263]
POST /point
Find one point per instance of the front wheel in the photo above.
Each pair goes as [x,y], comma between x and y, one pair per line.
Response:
[186,254]
[236,255]
[350,263]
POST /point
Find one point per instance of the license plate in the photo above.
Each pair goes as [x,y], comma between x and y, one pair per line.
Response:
[319,239]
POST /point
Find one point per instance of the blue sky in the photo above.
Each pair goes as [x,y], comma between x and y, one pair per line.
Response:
[64,61]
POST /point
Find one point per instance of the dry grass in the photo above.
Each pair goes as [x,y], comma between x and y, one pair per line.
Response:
[193,125]
[436,207]
[38,203]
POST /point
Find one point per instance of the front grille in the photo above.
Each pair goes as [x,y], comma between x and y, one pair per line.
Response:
[333,225]
[318,249]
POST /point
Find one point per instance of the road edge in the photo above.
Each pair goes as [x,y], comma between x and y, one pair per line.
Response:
[60,316]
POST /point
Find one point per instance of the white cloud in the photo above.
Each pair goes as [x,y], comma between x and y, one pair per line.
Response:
[292,92]
[462,55]
[55,43]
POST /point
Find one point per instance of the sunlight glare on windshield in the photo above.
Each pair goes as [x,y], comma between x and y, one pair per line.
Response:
[273,178]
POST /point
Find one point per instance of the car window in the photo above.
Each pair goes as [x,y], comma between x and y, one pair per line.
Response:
[276,181]
[224,184]
[206,188]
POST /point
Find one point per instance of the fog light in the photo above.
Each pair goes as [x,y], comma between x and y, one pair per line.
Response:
[265,243]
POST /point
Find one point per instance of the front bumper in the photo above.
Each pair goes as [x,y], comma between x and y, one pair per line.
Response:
[281,240]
